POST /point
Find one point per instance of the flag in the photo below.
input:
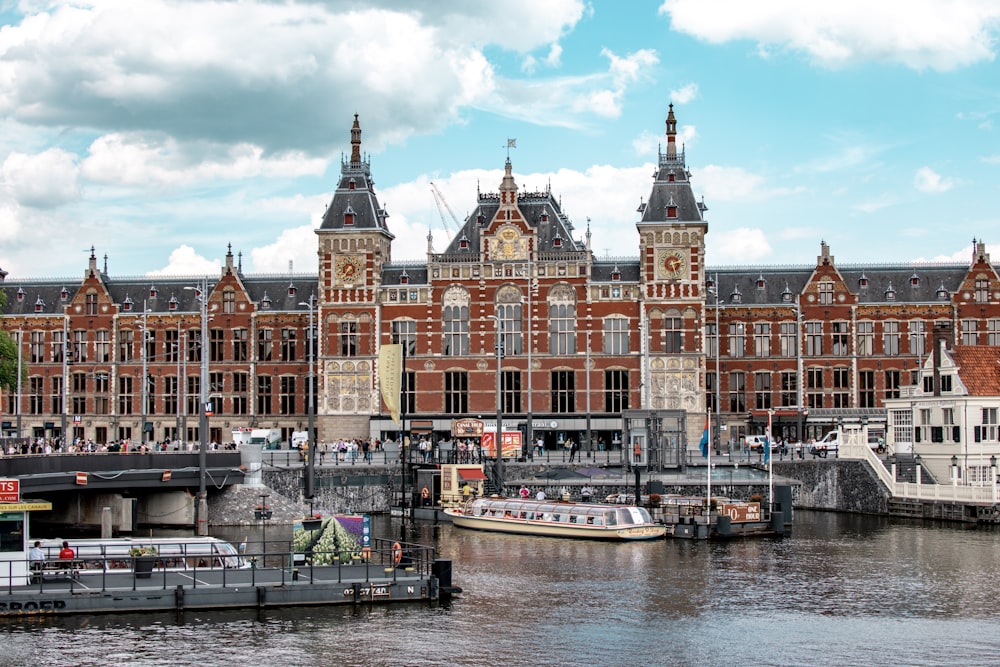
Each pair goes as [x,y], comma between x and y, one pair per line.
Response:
[390,367]
[767,439]
[703,445]
[512,143]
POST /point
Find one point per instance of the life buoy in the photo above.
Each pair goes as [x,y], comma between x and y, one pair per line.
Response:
[397,553]
[425,493]
[366,553]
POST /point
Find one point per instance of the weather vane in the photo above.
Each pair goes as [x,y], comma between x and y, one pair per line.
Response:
[511,143]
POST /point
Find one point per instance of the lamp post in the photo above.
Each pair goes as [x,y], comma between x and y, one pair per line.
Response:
[589,452]
[20,337]
[263,514]
[201,508]
[180,382]
[65,376]
[310,400]
[144,391]
[528,430]
[954,470]
[499,435]
[798,373]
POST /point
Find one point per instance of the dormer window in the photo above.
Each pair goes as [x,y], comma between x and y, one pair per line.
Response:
[616,274]
[670,176]
[735,296]
[172,304]
[352,184]
[671,208]
[890,293]
[20,294]
[127,304]
[349,215]
[480,219]
[914,280]
[265,303]
[63,294]
[709,283]
[152,291]
[463,243]
[761,283]
[942,293]
[404,278]
[557,242]
[786,296]
[863,281]
[291,289]
[39,305]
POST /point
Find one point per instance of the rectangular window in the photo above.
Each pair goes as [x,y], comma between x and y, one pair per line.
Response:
[814,387]
[866,389]
[841,386]
[814,339]
[348,339]
[286,395]
[866,338]
[404,332]
[839,339]
[241,400]
[57,395]
[673,330]
[79,346]
[102,346]
[892,382]
[970,332]
[91,304]
[36,350]
[711,339]
[615,391]
[788,339]
[239,344]
[193,394]
[409,392]
[58,347]
[456,392]
[171,395]
[710,384]
[789,389]
[288,344]
[193,350]
[36,398]
[737,340]
[264,395]
[265,344]
[616,335]
[171,346]
[126,345]
[993,332]
[563,392]
[826,293]
[216,345]
[917,333]
[762,390]
[510,328]
[982,291]
[455,322]
[890,338]
[125,394]
[737,392]
[229,301]
[762,339]
[562,328]
[510,391]
[150,338]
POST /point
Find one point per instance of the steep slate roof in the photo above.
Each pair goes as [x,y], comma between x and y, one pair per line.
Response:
[672,185]
[355,194]
[979,368]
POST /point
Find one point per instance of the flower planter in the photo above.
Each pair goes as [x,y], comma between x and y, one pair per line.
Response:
[312,524]
[262,515]
[143,566]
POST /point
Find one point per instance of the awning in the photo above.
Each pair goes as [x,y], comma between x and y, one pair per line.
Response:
[471,474]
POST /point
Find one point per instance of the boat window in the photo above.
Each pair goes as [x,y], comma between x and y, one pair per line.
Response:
[609,519]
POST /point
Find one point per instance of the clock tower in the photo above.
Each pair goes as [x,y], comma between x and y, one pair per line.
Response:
[672,264]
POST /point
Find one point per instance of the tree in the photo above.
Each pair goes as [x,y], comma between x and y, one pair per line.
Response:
[8,355]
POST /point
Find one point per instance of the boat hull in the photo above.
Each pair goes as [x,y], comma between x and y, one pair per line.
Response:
[552,529]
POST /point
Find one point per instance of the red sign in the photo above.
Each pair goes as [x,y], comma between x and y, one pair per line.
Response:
[165,477]
[742,512]
[81,478]
[10,490]
[511,444]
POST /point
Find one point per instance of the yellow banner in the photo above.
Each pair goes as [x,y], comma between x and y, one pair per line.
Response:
[390,371]
[27,506]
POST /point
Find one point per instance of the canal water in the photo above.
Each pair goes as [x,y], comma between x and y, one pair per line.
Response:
[844,590]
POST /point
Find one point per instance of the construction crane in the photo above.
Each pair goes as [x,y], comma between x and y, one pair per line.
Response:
[450,221]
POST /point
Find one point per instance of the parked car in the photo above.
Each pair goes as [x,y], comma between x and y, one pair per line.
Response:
[828,445]
[755,443]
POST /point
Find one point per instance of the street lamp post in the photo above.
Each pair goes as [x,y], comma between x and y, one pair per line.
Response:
[798,372]
[201,508]
[718,370]
[20,338]
[144,392]
[65,377]
[310,399]
[499,433]
[529,431]
[587,364]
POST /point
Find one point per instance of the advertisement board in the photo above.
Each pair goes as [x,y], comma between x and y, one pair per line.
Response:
[511,444]
[10,490]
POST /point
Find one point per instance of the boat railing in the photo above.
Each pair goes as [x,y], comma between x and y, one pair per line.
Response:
[386,560]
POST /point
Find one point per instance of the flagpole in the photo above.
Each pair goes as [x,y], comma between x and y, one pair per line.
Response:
[708,497]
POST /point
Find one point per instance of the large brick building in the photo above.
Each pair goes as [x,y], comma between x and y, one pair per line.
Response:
[582,338]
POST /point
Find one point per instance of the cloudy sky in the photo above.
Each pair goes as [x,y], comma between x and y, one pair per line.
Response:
[159,132]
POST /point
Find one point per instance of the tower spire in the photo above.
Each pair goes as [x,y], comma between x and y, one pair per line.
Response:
[671,133]
[356,142]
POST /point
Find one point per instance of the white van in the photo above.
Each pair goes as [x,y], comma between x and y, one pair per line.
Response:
[828,445]
[755,443]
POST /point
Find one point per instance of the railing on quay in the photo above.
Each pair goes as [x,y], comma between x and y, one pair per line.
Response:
[291,458]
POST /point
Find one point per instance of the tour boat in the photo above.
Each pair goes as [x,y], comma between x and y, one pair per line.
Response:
[557,519]
[166,553]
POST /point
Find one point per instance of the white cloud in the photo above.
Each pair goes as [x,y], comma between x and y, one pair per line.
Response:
[184,261]
[736,184]
[922,34]
[927,180]
[991,159]
[737,246]
[684,94]
[44,180]
[297,245]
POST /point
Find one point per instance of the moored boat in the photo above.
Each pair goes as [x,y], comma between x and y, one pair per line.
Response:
[592,521]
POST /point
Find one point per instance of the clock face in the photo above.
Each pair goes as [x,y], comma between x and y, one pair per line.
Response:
[349,269]
[672,264]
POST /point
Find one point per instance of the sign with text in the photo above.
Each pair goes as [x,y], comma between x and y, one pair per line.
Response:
[511,444]
[467,428]
[10,490]
[742,513]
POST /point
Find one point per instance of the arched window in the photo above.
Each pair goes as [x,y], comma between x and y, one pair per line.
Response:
[455,322]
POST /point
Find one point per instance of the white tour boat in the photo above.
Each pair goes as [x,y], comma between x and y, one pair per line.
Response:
[118,554]
[557,519]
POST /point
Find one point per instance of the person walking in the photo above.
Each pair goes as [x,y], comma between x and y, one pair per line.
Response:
[573,449]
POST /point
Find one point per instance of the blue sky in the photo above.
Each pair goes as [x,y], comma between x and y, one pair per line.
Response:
[159,132]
